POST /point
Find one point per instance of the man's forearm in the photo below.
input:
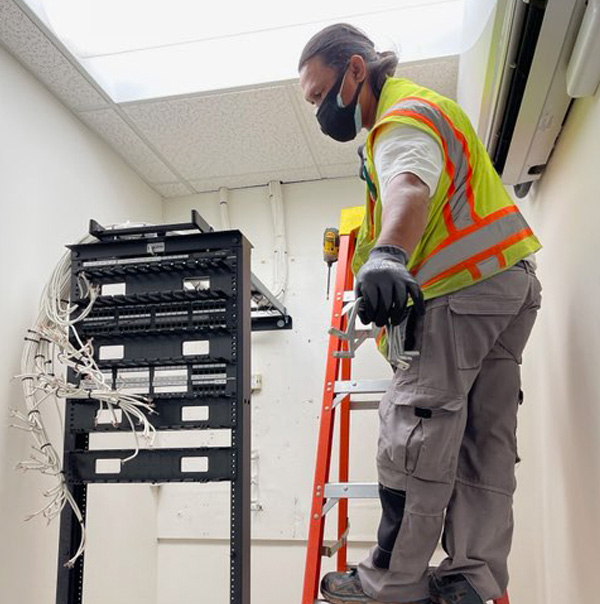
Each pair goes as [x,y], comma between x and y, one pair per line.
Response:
[404,212]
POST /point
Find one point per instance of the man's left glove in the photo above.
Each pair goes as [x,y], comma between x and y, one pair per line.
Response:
[384,284]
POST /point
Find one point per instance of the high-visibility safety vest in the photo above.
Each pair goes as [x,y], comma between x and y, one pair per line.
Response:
[474,229]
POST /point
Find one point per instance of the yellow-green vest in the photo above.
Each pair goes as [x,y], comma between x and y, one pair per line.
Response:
[474,229]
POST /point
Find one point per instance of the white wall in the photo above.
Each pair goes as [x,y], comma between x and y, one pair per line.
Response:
[54,176]
[562,377]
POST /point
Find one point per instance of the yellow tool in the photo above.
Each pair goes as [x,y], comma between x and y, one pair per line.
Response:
[331,250]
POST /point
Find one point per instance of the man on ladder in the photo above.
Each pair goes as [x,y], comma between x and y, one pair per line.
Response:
[440,229]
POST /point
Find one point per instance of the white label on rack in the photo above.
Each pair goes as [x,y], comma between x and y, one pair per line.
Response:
[111,353]
[194,414]
[108,466]
[113,289]
[194,464]
[196,347]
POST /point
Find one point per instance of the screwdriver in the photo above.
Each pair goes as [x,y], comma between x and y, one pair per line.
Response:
[331,251]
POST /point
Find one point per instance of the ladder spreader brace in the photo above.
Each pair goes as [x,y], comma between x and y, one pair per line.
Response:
[338,390]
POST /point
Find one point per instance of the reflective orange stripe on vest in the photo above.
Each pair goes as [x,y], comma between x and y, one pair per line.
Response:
[468,233]
[496,252]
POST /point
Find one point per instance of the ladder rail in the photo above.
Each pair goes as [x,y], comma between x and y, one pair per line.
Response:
[344,472]
[338,391]
[325,442]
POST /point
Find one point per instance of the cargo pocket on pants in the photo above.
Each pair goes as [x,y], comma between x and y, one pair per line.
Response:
[441,436]
[400,440]
[420,440]
[407,441]
[478,322]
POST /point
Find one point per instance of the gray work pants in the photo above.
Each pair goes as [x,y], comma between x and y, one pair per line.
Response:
[447,445]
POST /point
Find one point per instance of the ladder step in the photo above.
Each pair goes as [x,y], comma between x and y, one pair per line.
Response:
[351,490]
[362,386]
[362,405]
[356,404]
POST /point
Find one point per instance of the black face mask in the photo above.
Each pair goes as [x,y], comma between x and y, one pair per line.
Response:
[338,122]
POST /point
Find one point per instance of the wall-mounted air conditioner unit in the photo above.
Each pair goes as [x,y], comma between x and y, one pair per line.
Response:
[525,100]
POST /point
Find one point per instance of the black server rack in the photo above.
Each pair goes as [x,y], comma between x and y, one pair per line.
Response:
[176,308]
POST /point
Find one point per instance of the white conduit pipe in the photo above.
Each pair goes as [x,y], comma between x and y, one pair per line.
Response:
[224,208]
[280,260]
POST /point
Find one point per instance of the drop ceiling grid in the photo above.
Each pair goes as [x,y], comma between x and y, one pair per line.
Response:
[342,170]
[255,179]
[173,189]
[225,135]
[114,130]
[24,39]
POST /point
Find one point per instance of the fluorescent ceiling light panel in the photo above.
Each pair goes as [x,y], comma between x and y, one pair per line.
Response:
[142,49]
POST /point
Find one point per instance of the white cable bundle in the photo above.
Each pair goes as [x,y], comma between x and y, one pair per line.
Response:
[44,379]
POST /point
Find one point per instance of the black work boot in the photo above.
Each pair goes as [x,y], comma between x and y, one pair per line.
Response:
[454,589]
[345,588]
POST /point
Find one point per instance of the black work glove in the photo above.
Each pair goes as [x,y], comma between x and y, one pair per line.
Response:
[384,284]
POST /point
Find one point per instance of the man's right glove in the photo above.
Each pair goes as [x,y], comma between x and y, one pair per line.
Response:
[384,284]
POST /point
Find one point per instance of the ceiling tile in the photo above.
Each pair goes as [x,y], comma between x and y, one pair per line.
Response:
[250,180]
[440,75]
[173,189]
[219,135]
[21,37]
[115,131]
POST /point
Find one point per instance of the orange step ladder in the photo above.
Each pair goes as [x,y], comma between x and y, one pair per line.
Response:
[336,397]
